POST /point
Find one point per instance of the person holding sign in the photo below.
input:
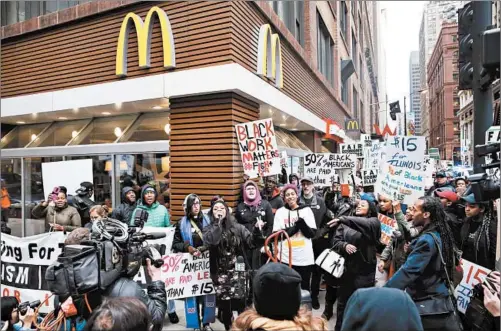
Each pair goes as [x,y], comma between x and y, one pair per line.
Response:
[356,240]
[60,216]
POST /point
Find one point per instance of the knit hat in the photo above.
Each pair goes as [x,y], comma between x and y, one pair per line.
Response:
[277,291]
[290,187]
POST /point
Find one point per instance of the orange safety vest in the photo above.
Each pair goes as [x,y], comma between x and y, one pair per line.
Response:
[5,199]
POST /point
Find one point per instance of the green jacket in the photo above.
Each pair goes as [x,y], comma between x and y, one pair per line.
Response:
[158,216]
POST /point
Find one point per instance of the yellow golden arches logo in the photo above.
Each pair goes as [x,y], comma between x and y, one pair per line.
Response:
[144,30]
[351,125]
[269,56]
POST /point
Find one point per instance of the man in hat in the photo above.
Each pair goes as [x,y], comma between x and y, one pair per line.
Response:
[321,240]
[440,182]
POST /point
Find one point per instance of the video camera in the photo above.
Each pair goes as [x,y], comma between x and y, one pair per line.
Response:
[113,250]
[23,307]
[482,186]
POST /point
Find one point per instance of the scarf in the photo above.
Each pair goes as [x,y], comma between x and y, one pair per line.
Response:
[257,199]
[185,227]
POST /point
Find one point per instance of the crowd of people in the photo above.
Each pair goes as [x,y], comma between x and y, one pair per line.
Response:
[404,285]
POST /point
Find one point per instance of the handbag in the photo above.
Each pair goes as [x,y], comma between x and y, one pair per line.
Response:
[477,316]
[331,262]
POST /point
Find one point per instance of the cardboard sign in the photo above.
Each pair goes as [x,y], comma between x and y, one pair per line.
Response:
[429,169]
[259,149]
[356,149]
[369,176]
[321,167]
[492,136]
[401,185]
[372,155]
[472,275]
[406,152]
[365,139]
[388,225]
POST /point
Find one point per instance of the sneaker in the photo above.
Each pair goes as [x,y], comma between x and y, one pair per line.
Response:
[315,304]
[173,318]
[207,328]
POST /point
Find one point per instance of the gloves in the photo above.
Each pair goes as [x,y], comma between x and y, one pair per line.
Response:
[304,228]
[292,230]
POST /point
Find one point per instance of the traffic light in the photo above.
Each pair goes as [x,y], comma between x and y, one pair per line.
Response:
[490,57]
[465,39]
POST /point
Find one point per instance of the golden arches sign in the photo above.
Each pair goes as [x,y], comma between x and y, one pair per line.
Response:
[269,55]
[144,30]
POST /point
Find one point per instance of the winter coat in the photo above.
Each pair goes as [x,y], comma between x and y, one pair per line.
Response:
[477,247]
[181,246]
[124,211]
[67,216]
[158,216]
[421,275]
[363,233]
[320,211]
[446,186]
[247,216]
[274,199]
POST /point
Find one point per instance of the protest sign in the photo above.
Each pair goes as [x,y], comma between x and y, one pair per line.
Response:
[372,155]
[24,262]
[184,275]
[365,139]
[321,167]
[388,225]
[472,275]
[401,185]
[283,159]
[492,136]
[429,169]
[259,149]
[406,152]
[369,176]
[356,149]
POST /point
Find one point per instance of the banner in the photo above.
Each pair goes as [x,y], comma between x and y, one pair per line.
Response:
[24,262]
[259,149]
[356,149]
[321,167]
[369,176]
[401,185]
[388,225]
[372,155]
[472,275]
[406,152]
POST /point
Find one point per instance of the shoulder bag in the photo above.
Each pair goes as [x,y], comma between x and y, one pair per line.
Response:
[331,262]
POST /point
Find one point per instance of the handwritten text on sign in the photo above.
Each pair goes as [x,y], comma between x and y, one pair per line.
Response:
[369,176]
[401,185]
[406,152]
[372,155]
[356,149]
[259,149]
[472,275]
[388,225]
[321,167]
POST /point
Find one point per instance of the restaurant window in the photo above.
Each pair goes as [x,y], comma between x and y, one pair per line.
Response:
[344,19]
[10,172]
[151,127]
[22,135]
[104,130]
[324,50]
[291,13]
[61,133]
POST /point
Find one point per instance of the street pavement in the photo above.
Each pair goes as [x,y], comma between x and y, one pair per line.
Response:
[220,327]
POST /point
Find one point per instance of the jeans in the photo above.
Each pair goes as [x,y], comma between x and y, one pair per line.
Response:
[171,306]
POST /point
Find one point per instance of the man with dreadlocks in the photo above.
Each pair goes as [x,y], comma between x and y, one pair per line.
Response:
[422,275]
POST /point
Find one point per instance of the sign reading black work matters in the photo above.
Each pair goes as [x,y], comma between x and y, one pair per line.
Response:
[321,167]
[355,149]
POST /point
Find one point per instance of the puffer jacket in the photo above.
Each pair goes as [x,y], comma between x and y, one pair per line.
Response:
[158,216]
[123,213]
[67,216]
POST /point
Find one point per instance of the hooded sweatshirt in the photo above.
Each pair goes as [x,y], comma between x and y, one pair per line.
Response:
[158,216]
[364,311]
[124,212]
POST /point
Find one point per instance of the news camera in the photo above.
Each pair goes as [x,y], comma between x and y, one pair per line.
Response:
[482,186]
[113,250]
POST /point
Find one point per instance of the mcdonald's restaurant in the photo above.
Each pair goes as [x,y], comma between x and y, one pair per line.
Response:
[152,91]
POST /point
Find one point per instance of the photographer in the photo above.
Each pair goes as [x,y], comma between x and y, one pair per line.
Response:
[12,319]
[155,299]
[82,201]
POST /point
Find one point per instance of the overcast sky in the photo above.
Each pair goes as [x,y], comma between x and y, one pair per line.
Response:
[403,19]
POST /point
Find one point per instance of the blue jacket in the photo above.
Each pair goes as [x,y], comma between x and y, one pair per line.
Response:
[421,274]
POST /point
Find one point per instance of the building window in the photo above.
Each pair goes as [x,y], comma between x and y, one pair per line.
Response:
[454,38]
[291,13]
[455,76]
[324,50]
[355,104]
[18,11]
[361,67]
[344,19]
[354,50]
[344,92]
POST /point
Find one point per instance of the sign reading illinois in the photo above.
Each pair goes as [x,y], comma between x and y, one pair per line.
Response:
[259,149]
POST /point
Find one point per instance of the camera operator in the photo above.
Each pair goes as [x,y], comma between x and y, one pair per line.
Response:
[155,300]
[82,201]
[12,319]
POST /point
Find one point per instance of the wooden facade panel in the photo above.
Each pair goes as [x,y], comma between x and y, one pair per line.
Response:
[193,168]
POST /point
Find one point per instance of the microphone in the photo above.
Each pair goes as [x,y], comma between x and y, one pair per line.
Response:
[148,236]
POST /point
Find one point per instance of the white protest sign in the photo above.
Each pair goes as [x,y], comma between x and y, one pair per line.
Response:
[57,174]
[369,176]
[24,262]
[355,148]
[283,159]
[429,169]
[472,275]
[372,155]
[406,152]
[492,136]
[401,185]
[321,167]
[259,149]
[365,139]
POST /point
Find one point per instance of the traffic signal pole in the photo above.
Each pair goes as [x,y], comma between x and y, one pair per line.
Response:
[482,98]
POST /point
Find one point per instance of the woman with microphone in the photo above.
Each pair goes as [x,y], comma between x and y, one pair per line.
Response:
[228,241]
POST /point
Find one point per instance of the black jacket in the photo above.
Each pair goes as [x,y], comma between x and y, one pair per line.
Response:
[179,245]
[274,199]
[483,251]
[124,211]
[247,216]
[447,185]
[319,209]
[363,233]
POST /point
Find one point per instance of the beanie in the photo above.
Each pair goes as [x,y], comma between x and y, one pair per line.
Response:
[277,291]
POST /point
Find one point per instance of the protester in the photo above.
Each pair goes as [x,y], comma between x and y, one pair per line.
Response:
[381,309]
[124,314]
[455,215]
[108,206]
[385,207]
[440,182]
[248,213]
[97,213]
[332,195]
[272,194]
[320,241]
[422,275]
[294,180]
[277,303]
[478,232]
[60,217]
[245,178]
[124,211]
[460,185]
[158,216]
[12,320]
[227,240]
[5,205]
[356,239]
[82,201]
[188,238]
[299,223]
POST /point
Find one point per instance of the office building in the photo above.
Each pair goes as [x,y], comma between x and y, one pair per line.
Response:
[414,92]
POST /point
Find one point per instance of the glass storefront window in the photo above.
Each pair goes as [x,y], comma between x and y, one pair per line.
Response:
[24,135]
[10,173]
[62,133]
[105,130]
[152,127]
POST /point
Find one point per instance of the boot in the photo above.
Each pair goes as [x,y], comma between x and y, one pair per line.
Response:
[328,311]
